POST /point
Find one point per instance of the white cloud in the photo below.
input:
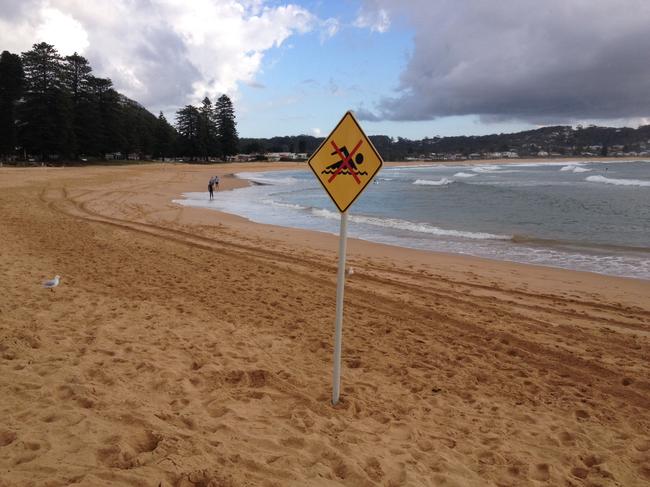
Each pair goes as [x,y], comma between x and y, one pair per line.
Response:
[163,53]
[329,28]
[63,31]
[374,18]
[316,132]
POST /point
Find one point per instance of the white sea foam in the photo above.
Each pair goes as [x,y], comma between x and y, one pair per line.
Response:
[408,226]
[323,213]
[414,166]
[618,182]
[197,200]
[262,178]
[435,182]
[464,175]
[489,168]
[280,204]
[575,168]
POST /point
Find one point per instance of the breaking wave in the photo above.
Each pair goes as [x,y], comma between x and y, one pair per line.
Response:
[618,182]
[575,168]
[486,168]
[265,179]
[409,226]
[429,182]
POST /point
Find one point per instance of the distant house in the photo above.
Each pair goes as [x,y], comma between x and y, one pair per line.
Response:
[242,158]
[284,156]
[273,156]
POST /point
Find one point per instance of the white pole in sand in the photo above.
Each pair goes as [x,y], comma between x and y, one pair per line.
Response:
[340,283]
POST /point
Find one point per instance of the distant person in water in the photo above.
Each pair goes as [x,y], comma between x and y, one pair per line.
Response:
[211,188]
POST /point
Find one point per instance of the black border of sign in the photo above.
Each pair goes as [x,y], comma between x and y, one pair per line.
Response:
[381,161]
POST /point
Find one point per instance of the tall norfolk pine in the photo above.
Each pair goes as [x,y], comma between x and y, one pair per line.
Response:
[62,111]
[12,80]
[208,131]
[226,126]
[54,108]
[45,115]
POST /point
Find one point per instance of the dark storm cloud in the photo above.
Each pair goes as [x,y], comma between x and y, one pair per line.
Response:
[544,62]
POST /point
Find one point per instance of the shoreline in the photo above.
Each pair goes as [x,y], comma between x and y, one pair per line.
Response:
[514,240]
[188,346]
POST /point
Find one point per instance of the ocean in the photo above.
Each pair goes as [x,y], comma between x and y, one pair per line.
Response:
[582,216]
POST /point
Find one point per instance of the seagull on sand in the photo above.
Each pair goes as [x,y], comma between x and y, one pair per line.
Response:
[52,283]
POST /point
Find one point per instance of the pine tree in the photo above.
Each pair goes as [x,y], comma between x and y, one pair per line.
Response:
[226,127]
[207,130]
[76,80]
[164,138]
[109,137]
[46,127]
[11,87]
[187,124]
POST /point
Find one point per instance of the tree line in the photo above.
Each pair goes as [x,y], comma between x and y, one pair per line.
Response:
[208,131]
[563,140]
[54,108]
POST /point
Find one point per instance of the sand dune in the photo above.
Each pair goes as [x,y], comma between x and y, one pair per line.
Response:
[186,347]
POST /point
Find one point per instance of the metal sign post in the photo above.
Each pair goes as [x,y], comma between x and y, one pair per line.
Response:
[340,289]
[344,164]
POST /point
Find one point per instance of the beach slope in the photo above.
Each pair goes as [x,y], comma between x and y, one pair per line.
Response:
[186,347]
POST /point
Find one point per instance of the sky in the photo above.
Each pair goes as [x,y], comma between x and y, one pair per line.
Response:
[409,68]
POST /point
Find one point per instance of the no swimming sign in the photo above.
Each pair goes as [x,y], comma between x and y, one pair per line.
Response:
[345,162]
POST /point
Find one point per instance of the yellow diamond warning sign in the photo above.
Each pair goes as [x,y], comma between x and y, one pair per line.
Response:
[345,162]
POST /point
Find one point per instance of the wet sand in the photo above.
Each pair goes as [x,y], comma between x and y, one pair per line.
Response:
[187,347]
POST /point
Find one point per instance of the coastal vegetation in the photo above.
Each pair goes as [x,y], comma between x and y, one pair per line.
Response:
[53,108]
[555,141]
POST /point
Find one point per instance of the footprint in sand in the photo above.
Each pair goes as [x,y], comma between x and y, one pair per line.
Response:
[581,415]
[373,469]
[541,472]
[7,437]
[579,472]
[567,438]
[124,453]
[642,445]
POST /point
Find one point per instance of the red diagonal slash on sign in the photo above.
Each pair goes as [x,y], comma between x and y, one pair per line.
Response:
[345,162]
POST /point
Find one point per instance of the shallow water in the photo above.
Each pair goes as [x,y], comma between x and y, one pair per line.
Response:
[582,216]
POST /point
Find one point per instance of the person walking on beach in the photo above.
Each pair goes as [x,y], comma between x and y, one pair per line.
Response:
[216,182]
[210,188]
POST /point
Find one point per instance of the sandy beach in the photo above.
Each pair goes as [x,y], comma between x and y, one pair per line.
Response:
[186,347]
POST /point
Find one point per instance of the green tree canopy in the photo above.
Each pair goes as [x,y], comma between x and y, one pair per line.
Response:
[226,126]
[12,80]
